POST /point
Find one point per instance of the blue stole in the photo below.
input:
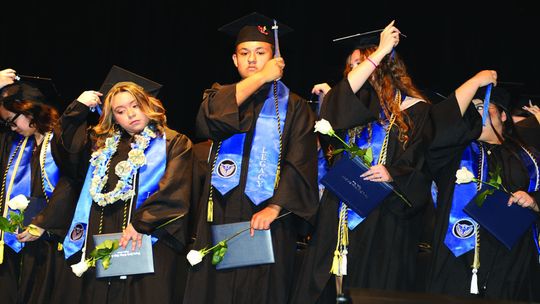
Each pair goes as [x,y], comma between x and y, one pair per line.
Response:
[461,228]
[52,173]
[460,234]
[363,141]
[148,183]
[264,155]
[22,180]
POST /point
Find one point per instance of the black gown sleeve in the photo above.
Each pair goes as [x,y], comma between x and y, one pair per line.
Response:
[408,169]
[344,109]
[71,145]
[219,116]
[298,189]
[170,204]
[453,132]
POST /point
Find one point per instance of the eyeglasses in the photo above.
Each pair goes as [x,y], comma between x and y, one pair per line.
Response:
[11,122]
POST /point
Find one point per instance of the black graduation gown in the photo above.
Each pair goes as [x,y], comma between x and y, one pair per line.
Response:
[29,276]
[219,117]
[383,248]
[503,273]
[171,200]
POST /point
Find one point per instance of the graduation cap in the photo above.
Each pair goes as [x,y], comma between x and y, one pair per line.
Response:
[118,74]
[32,88]
[361,40]
[498,96]
[254,27]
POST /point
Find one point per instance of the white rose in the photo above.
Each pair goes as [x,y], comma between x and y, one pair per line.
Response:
[79,268]
[464,176]
[137,157]
[194,257]
[19,202]
[323,126]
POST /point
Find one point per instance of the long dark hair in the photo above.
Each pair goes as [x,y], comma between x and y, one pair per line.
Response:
[389,76]
[42,116]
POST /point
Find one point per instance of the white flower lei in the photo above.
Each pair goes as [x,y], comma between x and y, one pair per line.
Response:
[125,169]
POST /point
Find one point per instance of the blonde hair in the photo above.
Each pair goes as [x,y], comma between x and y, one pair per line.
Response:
[389,77]
[150,106]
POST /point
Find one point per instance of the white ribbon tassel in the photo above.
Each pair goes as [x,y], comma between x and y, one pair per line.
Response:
[474,281]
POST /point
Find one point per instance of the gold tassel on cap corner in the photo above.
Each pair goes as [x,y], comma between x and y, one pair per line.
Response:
[60,247]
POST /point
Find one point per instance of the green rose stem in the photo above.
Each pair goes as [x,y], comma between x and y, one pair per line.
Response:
[221,248]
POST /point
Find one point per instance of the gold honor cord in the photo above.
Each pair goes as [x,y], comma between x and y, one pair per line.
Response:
[42,156]
[20,148]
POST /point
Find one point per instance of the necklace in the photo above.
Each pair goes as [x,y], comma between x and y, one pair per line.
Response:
[125,169]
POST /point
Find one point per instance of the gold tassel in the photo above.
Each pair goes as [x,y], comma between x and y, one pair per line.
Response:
[60,247]
[335,263]
[1,251]
[210,215]
[276,182]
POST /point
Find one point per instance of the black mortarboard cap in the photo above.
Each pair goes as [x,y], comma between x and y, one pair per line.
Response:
[360,40]
[118,74]
[32,88]
[499,96]
[254,27]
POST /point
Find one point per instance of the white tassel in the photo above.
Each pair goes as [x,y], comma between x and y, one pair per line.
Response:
[343,265]
[474,281]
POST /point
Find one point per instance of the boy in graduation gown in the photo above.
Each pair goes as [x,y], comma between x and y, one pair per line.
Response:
[263,164]
[467,259]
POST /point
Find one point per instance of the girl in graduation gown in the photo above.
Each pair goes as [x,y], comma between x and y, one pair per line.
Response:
[382,248]
[131,136]
[29,260]
[500,273]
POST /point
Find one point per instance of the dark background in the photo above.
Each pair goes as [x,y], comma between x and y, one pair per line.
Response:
[76,43]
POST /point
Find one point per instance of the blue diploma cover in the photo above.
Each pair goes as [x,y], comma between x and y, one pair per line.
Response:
[507,224]
[243,250]
[124,261]
[344,180]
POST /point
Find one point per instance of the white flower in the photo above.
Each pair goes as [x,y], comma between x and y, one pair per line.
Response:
[123,169]
[324,127]
[137,157]
[194,257]
[19,202]
[464,176]
[79,268]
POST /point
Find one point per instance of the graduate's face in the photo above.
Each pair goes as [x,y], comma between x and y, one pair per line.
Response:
[251,56]
[128,114]
[494,123]
[17,122]
[355,59]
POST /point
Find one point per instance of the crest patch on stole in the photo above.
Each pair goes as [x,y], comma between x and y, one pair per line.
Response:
[463,229]
[226,168]
[77,233]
